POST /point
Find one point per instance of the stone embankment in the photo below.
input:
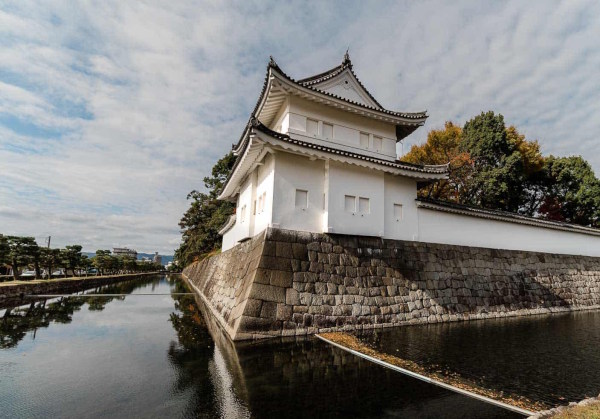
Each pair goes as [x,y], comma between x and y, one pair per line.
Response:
[284,283]
[13,292]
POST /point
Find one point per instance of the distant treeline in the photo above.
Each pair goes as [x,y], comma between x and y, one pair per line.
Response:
[20,253]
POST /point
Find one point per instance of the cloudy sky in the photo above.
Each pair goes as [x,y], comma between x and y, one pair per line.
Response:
[111,112]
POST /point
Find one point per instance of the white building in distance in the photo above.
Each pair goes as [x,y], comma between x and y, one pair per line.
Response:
[319,155]
[124,251]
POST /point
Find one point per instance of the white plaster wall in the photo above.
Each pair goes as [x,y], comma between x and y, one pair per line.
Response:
[258,182]
[241,228]
[297,172]
[229,240]
[403,191]
[346,128]
[345,179]
[347,93]
[345,85]
[447,228]
[264,184]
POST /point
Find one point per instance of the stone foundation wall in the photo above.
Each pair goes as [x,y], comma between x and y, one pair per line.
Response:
[224,281]
[285,282]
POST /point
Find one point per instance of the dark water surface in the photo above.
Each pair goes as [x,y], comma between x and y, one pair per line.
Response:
[553,359]
[156,356]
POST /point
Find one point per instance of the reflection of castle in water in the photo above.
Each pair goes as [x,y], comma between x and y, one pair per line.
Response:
[303,376]
[209,376]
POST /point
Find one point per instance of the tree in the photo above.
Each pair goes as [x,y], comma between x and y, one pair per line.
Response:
[49,259]
[572,191]
[495,167]
[84,264]
[443,147]
[20,252]
[200,224]
[72,255]
[101,261]
[129,264]
[34,255]
[4,251]
[498,175]
[533,163]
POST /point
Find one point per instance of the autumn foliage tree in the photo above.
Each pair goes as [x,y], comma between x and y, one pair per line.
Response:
[495,167]
[443,147]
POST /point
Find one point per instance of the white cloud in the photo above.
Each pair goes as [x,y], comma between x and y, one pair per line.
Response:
[133,102]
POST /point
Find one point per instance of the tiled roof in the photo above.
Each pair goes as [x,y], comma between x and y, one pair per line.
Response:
[441,169]
[402,131]
[307,83]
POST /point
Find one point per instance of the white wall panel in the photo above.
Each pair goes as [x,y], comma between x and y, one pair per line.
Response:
[447,228]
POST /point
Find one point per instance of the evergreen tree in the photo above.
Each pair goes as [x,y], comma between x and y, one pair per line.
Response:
[206,215]
[572,191]
[21,253]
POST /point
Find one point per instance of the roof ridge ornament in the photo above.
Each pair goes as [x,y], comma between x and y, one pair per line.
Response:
[346,60]
[272,62]
[253,122]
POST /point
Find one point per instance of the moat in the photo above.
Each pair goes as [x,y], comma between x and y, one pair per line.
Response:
[155,355]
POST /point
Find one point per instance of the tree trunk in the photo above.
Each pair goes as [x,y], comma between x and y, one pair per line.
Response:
[15,268]
[36,267]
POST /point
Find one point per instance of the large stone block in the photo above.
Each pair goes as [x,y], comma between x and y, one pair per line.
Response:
[281,279]
[283,250]
[268,310]
[253,308]
[268,293]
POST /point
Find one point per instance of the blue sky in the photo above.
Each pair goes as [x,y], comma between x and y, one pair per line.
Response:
[111,112]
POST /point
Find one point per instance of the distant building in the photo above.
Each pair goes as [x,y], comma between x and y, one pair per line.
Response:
[157,258]
[123,251]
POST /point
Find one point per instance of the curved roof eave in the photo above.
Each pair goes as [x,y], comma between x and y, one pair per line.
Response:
[406,121]
[423,172]
[414,116]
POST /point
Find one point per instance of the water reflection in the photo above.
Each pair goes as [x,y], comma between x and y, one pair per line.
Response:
[552,359]
[16,322]
[157,356]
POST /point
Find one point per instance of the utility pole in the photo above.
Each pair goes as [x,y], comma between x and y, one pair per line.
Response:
[49,238]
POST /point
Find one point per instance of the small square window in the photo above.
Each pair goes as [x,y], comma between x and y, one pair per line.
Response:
[312,127]
[398,212]
[301,199]
[377,143]
[364,205]
[350,203]
[327,131]
[364,140]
